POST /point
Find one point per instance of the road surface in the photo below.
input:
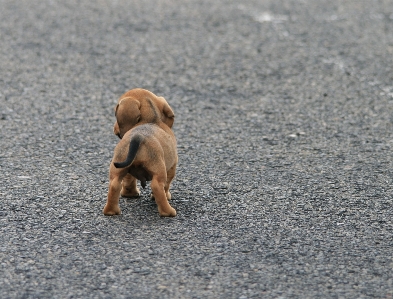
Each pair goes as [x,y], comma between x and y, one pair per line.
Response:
[284,116]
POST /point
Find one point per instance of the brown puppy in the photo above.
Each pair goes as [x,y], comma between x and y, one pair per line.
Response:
[135,107]
[147,151]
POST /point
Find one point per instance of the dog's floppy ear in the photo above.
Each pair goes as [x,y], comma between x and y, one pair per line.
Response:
[168,112]
[168,116]
[127,113]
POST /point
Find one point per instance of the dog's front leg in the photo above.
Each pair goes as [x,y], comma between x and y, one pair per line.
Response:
[112,204]
[157,186]
[129,188]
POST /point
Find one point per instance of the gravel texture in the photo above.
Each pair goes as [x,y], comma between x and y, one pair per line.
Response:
[284,118]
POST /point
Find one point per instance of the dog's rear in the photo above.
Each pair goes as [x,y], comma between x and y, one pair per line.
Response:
[134,146]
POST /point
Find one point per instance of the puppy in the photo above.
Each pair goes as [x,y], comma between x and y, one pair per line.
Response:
[147,150]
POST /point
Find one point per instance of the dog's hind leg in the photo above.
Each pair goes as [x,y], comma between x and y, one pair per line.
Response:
[112,203]
[169,177]
[158,187]
[129,188]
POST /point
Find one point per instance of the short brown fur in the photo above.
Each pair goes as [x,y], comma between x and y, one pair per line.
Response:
[142,116]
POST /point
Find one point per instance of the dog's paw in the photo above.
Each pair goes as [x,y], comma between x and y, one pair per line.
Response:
[171,212]
[130,193]
[110,211]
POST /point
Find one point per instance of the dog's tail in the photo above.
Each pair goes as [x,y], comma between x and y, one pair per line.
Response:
[133,149]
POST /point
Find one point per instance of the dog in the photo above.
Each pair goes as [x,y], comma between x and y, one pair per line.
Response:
[146,150]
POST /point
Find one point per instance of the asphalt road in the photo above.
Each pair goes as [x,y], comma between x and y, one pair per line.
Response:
[284,116]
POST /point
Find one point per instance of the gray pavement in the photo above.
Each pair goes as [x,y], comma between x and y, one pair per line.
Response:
[284,116]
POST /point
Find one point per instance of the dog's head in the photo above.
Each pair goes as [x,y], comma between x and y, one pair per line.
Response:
[139,106]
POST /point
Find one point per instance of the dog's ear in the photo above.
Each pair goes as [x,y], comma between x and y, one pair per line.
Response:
[168,116]
[127,114]
[168,112]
